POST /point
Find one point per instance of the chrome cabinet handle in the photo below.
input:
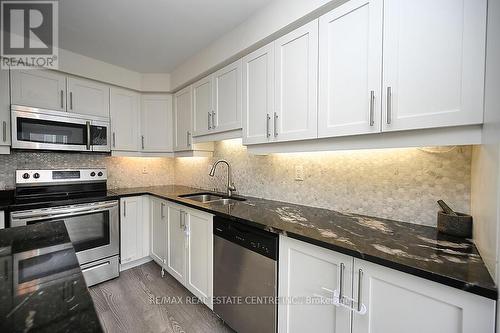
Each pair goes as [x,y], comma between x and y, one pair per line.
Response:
[142,141]
[71,100]
[188,136]
[360,277]
[88,135]
[275,124]
[389,105]
[209,120]
[372,108]
[213,119]
[114,140]
[182,223]
[62,99]
[161,208]
[341,282]
[4,124]
[268,118]
[124,208]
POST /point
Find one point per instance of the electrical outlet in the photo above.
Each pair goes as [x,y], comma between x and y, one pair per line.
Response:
[145,169]
[299,172]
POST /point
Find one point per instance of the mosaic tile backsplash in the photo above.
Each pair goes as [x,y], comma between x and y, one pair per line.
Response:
[122,171]
[400,184]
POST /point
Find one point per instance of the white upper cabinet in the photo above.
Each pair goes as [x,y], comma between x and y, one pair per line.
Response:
[38,88]
[226,113]
[4,108]
[124,111]
[258,95]
[434,55]
[203,106]
[398,302]
[156,123]
[182,119]
[350,69]
[296,82]
[87,97]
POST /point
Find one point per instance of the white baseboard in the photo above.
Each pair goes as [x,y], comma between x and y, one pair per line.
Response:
[135,263]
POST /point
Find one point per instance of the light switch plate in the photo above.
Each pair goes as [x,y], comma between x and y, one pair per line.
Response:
[145,169]
[299,172]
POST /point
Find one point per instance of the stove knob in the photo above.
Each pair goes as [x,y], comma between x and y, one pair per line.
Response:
[36,175]
[100,174]
[92,174]
[26,175]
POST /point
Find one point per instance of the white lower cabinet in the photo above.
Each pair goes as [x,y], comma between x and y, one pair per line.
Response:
[199,274]
[189,250]
[158,215]
[176,243]
[134,228]
[305,272]
[391,301]
[398,302]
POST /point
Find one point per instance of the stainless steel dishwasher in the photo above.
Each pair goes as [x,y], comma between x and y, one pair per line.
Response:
[245,276]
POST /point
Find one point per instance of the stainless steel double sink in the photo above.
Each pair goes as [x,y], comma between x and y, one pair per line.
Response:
[208,197]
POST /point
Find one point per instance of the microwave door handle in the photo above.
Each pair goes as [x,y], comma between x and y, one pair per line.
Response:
[88,135]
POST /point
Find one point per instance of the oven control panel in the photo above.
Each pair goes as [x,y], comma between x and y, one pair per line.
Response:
[30,177]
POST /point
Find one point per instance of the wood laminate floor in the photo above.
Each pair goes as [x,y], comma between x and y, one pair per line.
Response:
[124,304]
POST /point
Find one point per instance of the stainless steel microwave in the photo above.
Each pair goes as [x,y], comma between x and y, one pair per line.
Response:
[41,129]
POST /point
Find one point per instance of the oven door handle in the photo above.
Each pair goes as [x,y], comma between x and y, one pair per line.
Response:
[34,216]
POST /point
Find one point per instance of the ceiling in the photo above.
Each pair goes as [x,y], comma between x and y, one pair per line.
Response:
[148,36]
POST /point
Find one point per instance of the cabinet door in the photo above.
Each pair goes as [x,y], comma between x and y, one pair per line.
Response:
[156,123]
[350,69]
[159,213]
[296,103]
[182,115]
[2,219]
[308,271]
[38,88]
[258,95]
[131,229]
[176,243]
[4,108]
[398,302]
[200,255]
[227,98]
[88,97]
[124,111]
[434,56]
[203,106]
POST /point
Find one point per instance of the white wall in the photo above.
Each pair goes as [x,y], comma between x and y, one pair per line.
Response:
[76,64]
[267,21]
[486,158]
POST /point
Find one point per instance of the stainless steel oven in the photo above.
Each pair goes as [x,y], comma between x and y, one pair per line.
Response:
[34,128]
[94,232]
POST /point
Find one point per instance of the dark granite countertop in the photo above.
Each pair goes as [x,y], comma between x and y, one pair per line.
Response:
[45,292]
[411,248]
